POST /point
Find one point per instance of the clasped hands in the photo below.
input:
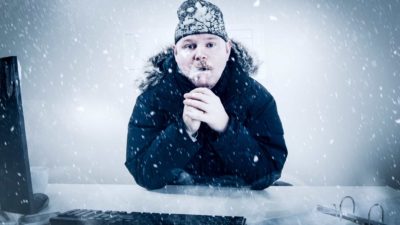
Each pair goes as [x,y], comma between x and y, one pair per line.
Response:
[202,105]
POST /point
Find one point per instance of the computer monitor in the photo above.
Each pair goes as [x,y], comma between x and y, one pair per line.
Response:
[16,193]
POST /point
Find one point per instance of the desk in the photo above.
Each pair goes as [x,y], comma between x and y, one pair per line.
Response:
[293,203]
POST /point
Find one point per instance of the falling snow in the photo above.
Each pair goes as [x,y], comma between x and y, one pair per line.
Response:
[255,159]
[333,68]
[256,3]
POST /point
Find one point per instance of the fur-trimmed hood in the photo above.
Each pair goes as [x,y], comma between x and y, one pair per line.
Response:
[163,63]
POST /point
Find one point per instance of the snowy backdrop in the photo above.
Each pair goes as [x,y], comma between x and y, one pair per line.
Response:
[332,66]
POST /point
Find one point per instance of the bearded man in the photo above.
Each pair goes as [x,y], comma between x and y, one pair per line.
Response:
[201,118]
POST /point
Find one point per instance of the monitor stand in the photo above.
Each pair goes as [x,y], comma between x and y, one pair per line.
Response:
[4,218]
[40,201]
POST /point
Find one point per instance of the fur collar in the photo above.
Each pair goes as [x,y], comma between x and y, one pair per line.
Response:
[163,63]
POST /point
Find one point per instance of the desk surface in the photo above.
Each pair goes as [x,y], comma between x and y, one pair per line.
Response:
[272,204]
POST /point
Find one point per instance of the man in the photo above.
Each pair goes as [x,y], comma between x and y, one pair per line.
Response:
[201,118]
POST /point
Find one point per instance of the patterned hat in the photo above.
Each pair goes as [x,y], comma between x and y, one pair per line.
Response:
[199,17]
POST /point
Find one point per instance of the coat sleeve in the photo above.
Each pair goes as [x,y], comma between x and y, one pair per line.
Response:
[255,149]
[156,149]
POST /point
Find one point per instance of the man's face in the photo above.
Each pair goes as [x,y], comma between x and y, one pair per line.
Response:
[202,58]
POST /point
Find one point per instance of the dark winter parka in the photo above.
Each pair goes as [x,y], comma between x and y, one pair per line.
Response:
[250,152]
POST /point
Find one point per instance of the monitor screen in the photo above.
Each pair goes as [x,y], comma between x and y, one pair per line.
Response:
[15,179]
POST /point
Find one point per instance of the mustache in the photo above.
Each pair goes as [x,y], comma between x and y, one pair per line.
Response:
[203,66]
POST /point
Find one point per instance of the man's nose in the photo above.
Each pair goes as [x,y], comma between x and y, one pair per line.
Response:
[200,54]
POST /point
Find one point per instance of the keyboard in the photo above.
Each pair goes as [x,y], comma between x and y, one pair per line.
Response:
[96,217]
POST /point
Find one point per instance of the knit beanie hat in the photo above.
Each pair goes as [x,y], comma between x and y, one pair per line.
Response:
[199,17]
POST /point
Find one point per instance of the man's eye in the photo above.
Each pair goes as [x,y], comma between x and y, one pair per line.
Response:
[190,46]
[210,45]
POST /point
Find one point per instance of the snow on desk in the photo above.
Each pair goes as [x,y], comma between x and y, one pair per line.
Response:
[276,205]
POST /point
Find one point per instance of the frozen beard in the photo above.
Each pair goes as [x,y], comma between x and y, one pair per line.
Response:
[200,75]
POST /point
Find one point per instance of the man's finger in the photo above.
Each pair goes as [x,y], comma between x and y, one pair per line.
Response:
[197,96]
[203,90]
[188,108]
[197,115]
[196,104]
